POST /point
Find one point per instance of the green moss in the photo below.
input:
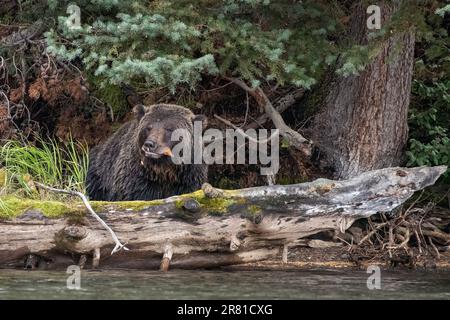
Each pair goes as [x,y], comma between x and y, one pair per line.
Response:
[197,195]
[179,204]
[254,210]
[217,205]
[124,205]
[12,206]
[213,206]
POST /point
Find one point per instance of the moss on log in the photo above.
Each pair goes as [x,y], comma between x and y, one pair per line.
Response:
[14,206]
[207,228]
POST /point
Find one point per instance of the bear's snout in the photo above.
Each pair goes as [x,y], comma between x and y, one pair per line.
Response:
[149,145]
[153,151]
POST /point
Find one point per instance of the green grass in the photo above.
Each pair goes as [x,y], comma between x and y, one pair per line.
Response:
[61,165]
[5,209]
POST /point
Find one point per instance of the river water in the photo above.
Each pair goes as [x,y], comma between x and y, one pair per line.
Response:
[311,284]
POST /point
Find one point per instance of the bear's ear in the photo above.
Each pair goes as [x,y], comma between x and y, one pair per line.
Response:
[201,118]
[139,111]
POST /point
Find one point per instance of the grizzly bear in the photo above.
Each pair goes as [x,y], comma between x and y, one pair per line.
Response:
[135,162]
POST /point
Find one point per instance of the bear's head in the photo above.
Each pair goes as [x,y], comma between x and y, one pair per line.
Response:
[156,124]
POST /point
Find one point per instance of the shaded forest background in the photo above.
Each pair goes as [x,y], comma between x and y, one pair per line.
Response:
[80,84]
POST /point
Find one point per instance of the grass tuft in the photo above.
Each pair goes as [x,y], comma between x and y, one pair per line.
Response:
[61,165]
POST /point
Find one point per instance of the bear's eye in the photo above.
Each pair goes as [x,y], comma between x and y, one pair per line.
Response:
[147,130]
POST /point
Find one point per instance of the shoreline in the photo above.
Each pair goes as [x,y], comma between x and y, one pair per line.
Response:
[303,259]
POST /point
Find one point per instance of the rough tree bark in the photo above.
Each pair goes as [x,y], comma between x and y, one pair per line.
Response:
[209,228]
[362,124]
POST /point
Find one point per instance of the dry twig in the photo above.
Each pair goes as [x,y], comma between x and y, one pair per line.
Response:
[119,245]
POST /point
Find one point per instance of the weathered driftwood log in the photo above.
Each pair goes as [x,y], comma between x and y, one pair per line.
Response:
[208,228]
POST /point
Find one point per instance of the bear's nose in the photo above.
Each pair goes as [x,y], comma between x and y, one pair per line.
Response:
[150,144]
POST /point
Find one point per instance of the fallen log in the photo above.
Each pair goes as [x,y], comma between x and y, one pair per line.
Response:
[208,228]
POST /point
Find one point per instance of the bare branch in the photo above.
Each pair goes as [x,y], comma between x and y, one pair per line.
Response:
[119,245]
[293,137]
[241,132]
[281,105]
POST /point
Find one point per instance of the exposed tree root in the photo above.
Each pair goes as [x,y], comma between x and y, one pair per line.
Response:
[415,233]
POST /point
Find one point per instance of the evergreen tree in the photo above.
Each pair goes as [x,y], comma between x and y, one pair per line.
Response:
[167,43]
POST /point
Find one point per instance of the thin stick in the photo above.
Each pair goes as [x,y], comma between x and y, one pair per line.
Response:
[241,132]
[371,233]
[119,245]
[438,255]
[246,110]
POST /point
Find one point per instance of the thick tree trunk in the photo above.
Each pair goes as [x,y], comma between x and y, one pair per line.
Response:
[208,228]
[363,123]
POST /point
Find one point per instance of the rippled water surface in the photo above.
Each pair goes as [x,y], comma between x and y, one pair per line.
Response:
[327,284]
